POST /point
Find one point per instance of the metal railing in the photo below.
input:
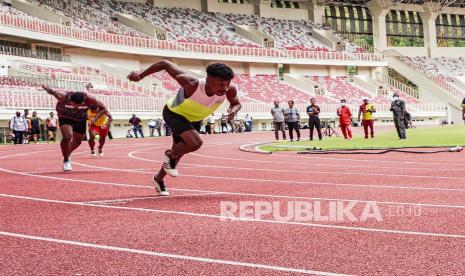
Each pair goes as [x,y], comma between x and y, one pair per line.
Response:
[401,86]
[20,99]
[15,51]
[36,25]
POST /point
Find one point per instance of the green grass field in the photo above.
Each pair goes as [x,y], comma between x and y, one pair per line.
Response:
[419,137]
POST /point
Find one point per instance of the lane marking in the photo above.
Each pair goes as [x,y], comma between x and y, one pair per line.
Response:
[167,255]
[131,199]
[94,182]
[203,215]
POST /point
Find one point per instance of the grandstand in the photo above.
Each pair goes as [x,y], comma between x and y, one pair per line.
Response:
[105,218]
[278,51]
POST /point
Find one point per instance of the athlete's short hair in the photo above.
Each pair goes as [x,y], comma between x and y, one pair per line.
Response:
[78,97]
[220,70]
[93,107]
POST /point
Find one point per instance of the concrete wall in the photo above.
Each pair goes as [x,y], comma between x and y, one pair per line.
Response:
[290,14]
[39,12]
[96,58]
[260,68]
[189,4]
[255,35]
[215,6]
[142,26]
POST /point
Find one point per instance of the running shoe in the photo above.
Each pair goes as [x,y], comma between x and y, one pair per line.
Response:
[67,166]
[100,153]
[169,166]
[160,186]
[93,154]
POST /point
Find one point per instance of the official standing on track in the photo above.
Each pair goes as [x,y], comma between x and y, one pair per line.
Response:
[366,110]
[292,116]
[278,120]
[398,112]
[463,109]
[313,112]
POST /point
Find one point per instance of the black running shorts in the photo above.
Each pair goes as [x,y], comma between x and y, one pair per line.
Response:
[78,126]
[178,124]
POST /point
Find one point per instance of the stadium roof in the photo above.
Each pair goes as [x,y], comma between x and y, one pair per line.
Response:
[442,3]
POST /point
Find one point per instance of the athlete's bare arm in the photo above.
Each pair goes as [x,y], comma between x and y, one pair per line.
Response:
[102,109]
[234,104]
[60,96]
[188,82]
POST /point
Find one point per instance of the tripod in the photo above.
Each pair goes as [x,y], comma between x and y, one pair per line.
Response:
[329,131]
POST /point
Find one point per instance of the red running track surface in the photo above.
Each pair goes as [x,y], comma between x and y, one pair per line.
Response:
[105,217]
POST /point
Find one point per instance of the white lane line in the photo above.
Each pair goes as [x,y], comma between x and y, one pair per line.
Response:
[291,181]
[131,199]
[166,255]
[310,170]
[127,185]
[242,219]
[333,159]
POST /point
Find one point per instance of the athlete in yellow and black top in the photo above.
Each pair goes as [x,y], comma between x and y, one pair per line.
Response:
[99,123]
[195,101]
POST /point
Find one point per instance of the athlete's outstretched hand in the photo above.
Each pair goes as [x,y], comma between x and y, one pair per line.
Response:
[134,76]
[46,88]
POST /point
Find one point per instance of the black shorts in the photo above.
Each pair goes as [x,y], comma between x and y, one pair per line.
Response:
[178,124]
[78,126]
[35,130]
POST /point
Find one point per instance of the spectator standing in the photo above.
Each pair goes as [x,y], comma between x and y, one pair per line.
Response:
[292,118]
[167,129]
[463,109]
[18,126]
[278,120]
[224,123]
[158,124]
[210,127]
[248,123]
[27,134]
[313,112]
[345,118]
[151,125]
[52,126]
[398,112]
[35,127]
[366,110]
[136,126]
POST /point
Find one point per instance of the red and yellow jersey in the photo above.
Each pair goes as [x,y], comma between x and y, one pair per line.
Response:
[100,122]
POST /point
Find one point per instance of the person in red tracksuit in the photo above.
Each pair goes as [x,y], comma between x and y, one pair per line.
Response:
[345,118]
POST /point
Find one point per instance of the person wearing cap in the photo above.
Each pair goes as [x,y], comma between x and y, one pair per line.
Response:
[398,112]
[345,118]
[367,110]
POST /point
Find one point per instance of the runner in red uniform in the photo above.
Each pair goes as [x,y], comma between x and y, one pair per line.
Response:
[72,113]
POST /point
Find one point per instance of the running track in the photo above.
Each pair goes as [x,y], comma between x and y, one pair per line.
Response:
[105,218]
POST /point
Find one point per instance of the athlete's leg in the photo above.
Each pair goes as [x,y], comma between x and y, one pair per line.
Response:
[191,141]
[92,134]
[76,141]
[103,137]
[65,144]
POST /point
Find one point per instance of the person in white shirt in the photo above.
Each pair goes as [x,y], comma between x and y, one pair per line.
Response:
[151,124]
[18,126]
[210,127]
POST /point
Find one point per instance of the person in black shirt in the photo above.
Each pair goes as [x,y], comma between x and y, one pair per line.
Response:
[463,109]
[313,112]
[398,112]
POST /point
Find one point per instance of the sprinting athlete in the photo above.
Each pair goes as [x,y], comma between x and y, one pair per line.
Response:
[72,117]
[195,100]
[99,123]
